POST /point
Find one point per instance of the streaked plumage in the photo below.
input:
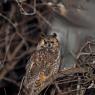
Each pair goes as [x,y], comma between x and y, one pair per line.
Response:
[44,64]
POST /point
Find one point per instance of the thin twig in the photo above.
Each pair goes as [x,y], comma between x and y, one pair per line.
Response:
[24,12]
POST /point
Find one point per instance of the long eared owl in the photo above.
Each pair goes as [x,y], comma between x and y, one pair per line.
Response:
[43,65]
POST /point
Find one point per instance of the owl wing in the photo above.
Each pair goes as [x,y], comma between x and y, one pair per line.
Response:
[52,75]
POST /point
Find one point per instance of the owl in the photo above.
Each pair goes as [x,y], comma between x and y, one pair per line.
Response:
[43,65]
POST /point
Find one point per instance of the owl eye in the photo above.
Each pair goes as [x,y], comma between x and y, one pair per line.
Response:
[45,42]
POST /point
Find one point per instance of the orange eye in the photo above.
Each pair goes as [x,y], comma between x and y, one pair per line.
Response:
[45,42]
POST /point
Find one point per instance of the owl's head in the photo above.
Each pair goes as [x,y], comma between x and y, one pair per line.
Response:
[49,42]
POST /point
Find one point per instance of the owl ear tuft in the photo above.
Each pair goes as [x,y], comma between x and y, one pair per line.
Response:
[54,35]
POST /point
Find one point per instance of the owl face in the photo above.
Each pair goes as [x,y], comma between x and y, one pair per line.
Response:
[49,42]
